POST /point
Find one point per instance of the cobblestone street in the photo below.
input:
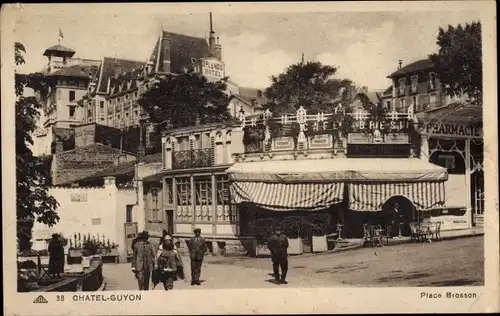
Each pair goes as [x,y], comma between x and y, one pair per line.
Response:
[445,263]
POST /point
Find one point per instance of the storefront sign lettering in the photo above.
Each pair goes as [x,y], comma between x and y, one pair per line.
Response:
[455,130]
[362,125]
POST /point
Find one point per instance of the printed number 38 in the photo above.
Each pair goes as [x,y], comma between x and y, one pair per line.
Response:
[60,298]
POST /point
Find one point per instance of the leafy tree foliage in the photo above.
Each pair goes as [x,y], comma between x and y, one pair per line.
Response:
[310,85]
[183,99]
[33,176]
[459,61]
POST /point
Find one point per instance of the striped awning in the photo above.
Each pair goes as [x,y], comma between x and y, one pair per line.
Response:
[372,196]
[288,196]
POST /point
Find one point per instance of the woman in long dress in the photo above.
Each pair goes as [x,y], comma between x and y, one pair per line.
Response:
[56,256]
[169,264]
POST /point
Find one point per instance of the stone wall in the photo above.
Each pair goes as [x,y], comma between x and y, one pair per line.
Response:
[76,164]
[97,210]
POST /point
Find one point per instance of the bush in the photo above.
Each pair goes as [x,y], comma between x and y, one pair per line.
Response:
[315,225]
[262,229]
[28,264]
[290,226]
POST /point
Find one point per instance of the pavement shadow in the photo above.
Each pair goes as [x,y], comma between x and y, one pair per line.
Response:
[273,281]
[458,282]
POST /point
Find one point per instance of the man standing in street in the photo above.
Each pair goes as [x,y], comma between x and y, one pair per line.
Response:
[397,219]
[278,245]
[143,262]
[197,249]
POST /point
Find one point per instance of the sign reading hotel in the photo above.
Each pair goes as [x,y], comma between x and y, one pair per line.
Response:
[213,68]
[452,129]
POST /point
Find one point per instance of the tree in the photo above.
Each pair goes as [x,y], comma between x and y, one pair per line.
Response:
[183,99]
[459,61]
[310,85]
[32,175]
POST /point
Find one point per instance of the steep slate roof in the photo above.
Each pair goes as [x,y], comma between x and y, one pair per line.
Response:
[80,71]
[250,94]
[413,67]
[112,66]
[182,49]
[124,169]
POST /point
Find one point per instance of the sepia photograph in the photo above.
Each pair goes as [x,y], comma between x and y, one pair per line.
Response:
[188,148]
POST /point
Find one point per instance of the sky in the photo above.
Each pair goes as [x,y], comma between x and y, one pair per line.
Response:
[365,46]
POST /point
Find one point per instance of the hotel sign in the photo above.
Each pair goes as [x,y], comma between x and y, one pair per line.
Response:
[452,129]
[213,68]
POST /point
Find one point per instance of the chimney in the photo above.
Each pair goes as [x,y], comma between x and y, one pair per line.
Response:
[165,53]
[400,62]
[211,38]
[218,50]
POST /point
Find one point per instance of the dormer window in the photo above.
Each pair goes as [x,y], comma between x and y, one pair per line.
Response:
[432,81]
[414,84]
[402,86]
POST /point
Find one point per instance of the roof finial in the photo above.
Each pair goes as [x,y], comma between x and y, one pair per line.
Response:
[302,60]
[161,27]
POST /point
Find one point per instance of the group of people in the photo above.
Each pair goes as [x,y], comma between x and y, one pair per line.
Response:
[165,264]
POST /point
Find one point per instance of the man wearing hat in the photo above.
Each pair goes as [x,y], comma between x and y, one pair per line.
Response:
[278,245]
[197,249]
[143,261]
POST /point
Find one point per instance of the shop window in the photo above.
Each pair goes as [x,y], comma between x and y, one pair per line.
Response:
[452,161]
[169,191]
[183,186]
[203,188]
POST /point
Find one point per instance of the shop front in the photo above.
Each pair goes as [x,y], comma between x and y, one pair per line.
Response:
[355,189]
[455,142]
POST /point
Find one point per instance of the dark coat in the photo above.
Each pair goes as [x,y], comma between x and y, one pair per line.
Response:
[56,257]
[278,245]
[144,256]
[197,248]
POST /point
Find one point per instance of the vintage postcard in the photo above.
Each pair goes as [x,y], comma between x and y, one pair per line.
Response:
[236,158]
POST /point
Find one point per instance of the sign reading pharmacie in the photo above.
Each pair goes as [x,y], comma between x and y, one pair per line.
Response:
[455,130]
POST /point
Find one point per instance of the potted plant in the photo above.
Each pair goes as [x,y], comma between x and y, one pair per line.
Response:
[291,228]
[262,229]
[316,226]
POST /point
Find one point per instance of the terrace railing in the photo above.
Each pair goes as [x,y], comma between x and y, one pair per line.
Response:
[194,158]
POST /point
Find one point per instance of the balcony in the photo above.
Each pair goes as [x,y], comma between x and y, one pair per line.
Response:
[196,158]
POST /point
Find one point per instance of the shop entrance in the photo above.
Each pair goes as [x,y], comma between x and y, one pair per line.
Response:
[399,212]
[477,181]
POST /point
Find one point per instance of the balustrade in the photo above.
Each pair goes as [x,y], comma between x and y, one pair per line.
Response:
[302,131]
